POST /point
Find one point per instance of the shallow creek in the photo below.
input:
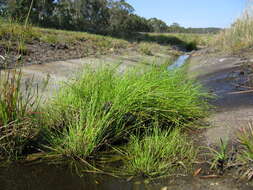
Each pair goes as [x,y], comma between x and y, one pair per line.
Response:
[180,61]
[52,177]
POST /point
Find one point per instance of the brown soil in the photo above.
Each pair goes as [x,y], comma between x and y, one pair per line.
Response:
[228,77]
[38,52]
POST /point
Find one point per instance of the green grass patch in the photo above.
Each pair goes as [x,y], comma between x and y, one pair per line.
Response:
[144,110]
[158,153]
[16,34]
[103,108]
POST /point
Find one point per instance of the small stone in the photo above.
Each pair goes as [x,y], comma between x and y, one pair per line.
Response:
[164,188]
[214,184]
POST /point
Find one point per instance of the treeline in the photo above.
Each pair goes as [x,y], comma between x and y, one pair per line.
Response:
[96,16]
[176,28]
[112,17]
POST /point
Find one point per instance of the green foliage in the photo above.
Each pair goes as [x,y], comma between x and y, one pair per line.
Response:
[157,25]
[22,49]
[176,28]
[16,37]
[103,107]
[96,16]
[158,153]
[220,156]
[12,31]
[113,17]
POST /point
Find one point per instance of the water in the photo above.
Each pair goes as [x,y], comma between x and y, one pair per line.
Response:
[50,177]
[179,62]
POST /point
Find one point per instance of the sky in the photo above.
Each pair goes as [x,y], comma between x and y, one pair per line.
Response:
[191,13]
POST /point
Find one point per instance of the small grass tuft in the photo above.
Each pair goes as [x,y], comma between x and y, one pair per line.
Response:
[245,139]
[158,153]
[220,157]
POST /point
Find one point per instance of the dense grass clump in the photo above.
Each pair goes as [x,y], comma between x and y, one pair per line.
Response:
[19,105]
[239,36]
[158,153]
[103,108]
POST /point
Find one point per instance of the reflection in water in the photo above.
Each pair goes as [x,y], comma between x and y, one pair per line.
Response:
[179,62]
[49,177]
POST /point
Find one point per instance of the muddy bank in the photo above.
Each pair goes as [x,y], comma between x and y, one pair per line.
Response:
[228,77]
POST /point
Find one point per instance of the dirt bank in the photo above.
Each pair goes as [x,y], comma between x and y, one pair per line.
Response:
[228,77]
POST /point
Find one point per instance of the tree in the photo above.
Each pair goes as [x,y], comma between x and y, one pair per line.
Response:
[120,21]
[157,25]
[114,17]
[19,9]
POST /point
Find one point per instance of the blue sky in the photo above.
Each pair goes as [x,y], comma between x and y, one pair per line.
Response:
[191,13]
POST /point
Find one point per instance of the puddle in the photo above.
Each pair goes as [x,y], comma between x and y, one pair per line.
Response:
[179,62]
[51,177]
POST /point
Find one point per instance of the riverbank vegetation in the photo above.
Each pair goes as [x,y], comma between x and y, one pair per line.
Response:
[239,36]
[140,115]
[34,45]
[105,108]
[19,105]
[103,111]
[159,153]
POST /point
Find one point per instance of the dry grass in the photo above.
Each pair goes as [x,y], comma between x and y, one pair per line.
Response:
[239,36]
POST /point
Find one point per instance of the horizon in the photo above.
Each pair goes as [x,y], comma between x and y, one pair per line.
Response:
[194,14]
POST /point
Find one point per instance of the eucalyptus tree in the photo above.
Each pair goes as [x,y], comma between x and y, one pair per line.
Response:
[120,20]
